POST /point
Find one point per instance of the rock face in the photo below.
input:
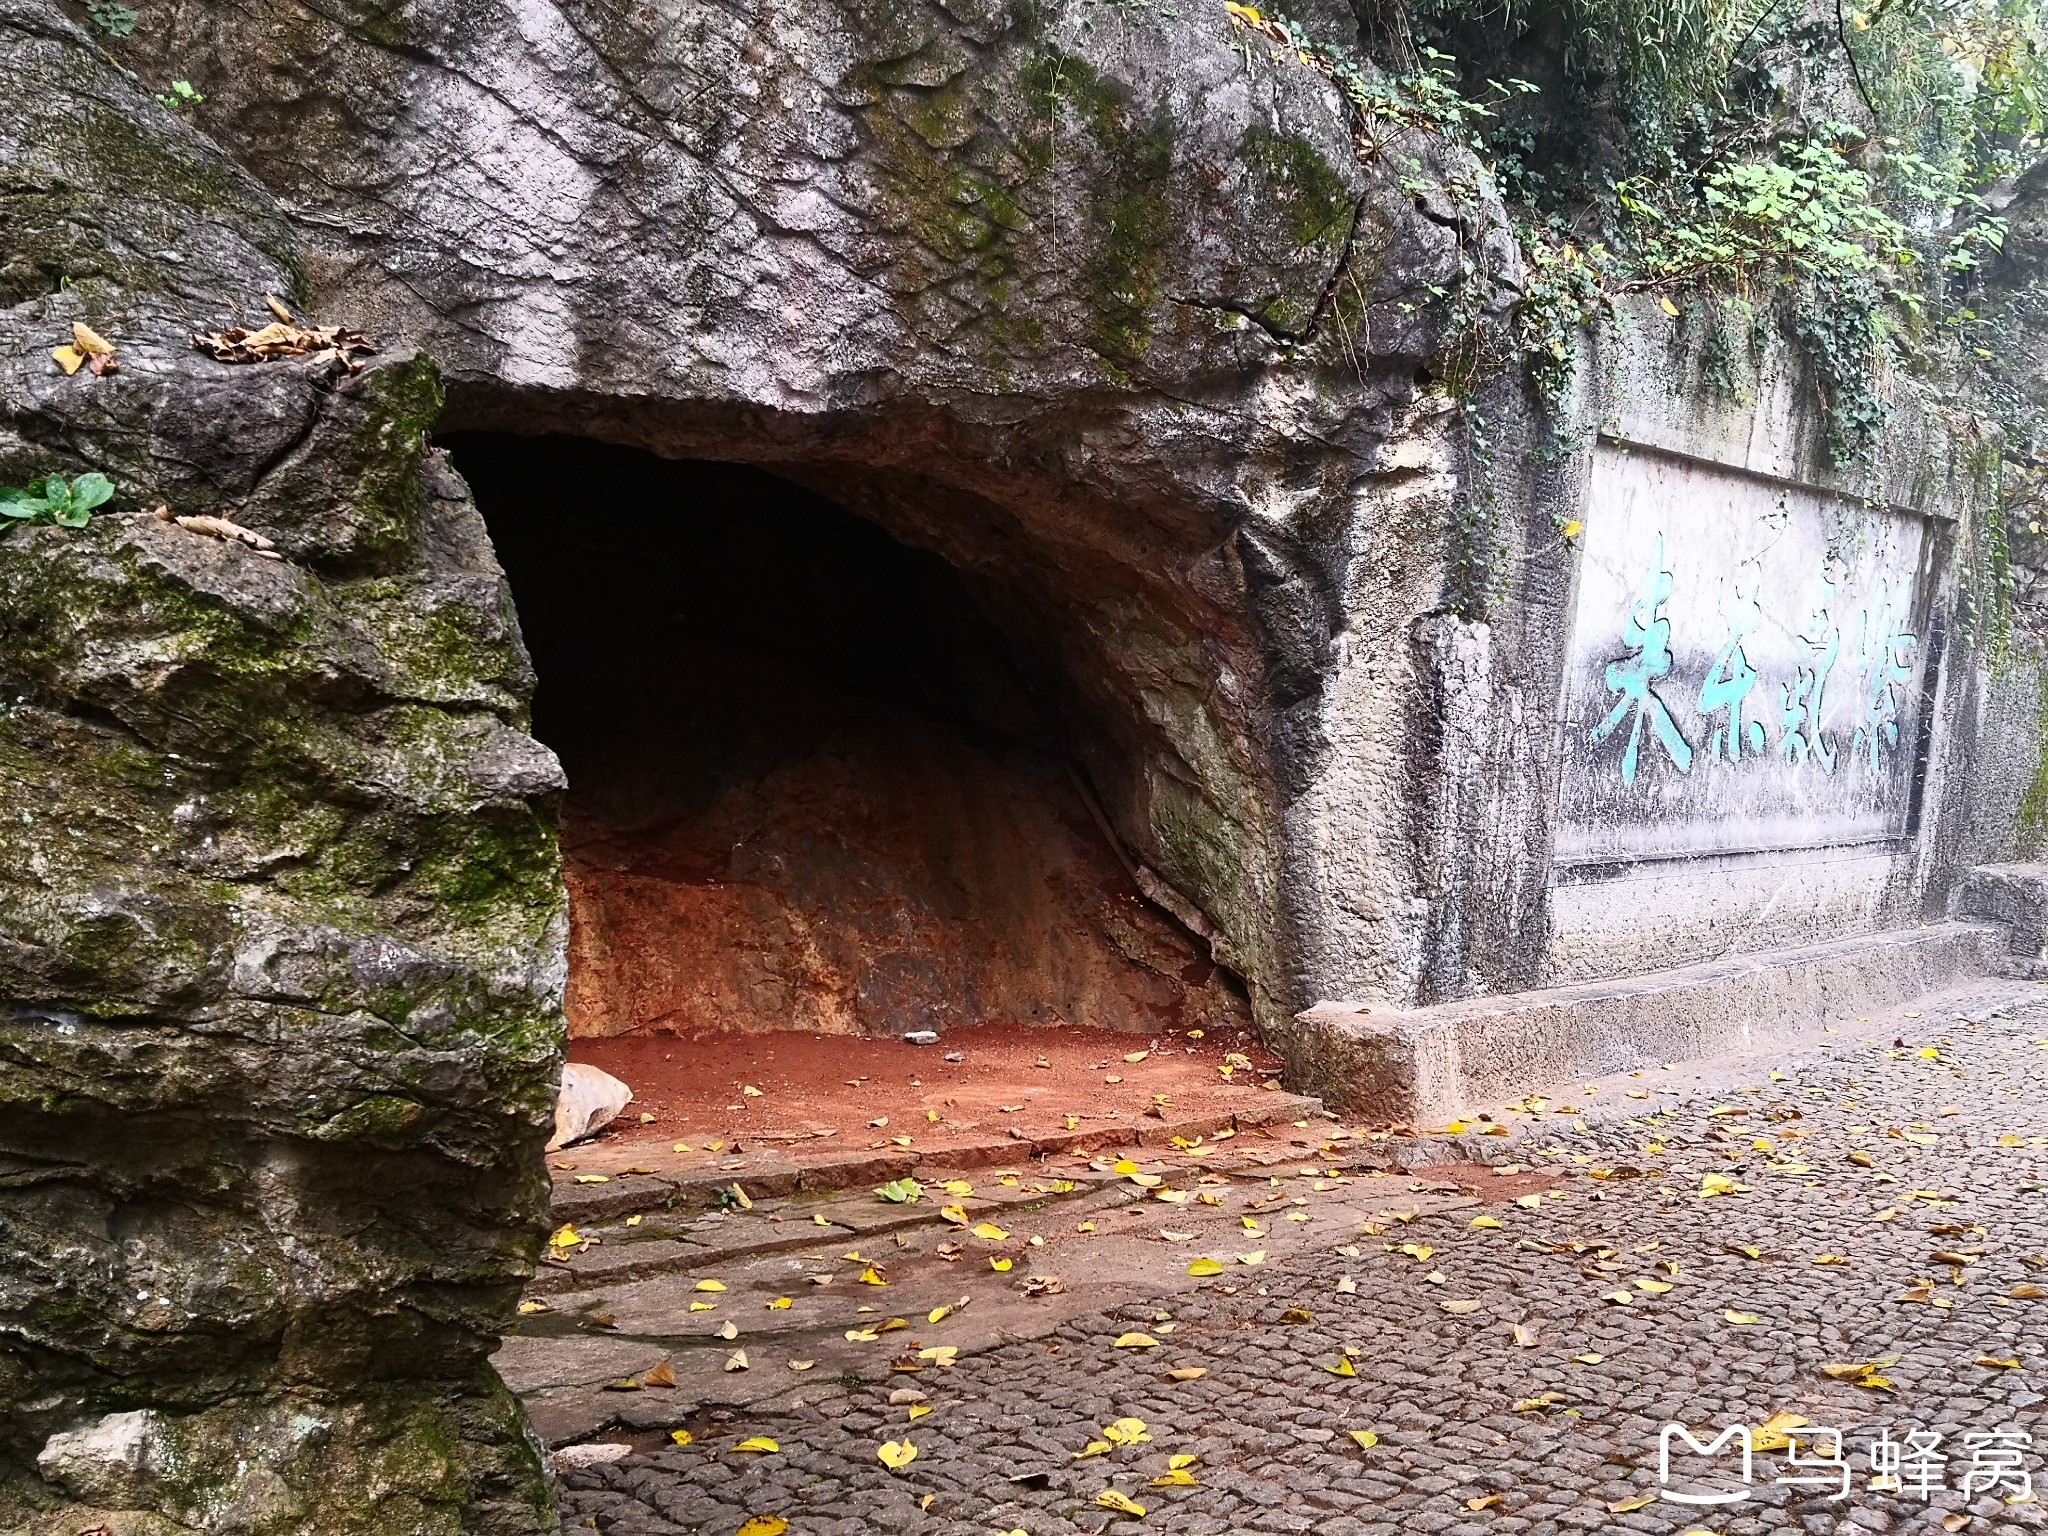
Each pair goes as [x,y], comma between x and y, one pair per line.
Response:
[1105,309]
[280,912]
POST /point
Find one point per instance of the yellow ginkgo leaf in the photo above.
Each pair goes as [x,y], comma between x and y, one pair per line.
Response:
[1203,1269]
[1174,1478]
[1366,1438]
[1253,1259]
[682,1437]
[709,1285]
[1631,1505]
[1175,1463]
[1668,307]
[872,1276]
[1740,1318]
[1343,1367]
[761,1443]
[1771,1434]
[1654,1287]
[1125,1432]
[1486,1223]
[780,1304]
[1135,1341]
[1109,1498]
[763,1525]
[990,1231]
[1001,1266]
[1092,1448]
[897,1454]
[940,1354]
[918,1410]
[1186,1373]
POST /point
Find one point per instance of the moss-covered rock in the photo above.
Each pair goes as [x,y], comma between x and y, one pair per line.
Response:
[280,905]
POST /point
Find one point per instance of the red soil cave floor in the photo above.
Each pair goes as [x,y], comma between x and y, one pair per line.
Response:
[694,1086]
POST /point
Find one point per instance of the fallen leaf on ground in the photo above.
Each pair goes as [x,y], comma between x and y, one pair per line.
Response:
[761,1443]
[1109,1498]
[1630,1506]
[1343,1367]
[989,1231]
[1366,1438]
[897,1454]
[1740,1318]
[1135,1341]
[1771,1434]
[709,1285]
[682,1437]
[1186,1373]
[736,1361]
[1461,1307]
[1125,1432]
[763,1525]
[663,1375]
[1203,1269]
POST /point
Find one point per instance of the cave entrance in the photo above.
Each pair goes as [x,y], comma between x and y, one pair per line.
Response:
[813,786]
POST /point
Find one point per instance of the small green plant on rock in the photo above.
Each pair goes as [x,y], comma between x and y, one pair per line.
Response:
[179,96]
[68,504]
[110,17]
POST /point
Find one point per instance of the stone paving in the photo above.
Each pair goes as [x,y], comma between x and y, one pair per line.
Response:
[1495,1364]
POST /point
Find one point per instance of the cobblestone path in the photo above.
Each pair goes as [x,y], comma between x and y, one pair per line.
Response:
[1508,1371]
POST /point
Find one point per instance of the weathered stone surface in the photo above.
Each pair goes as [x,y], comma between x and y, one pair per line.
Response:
[280,914]
[1104,308]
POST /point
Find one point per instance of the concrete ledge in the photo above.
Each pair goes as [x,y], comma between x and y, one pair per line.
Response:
[1427,1066]
[2013,894]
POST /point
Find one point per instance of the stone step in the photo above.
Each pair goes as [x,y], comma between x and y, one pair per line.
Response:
[1430,1065]
[624,1252]
[639,1177]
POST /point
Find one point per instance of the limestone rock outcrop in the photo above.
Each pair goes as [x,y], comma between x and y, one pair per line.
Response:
[280,910]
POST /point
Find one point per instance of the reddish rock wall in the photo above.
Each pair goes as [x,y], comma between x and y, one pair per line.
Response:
[813,786]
